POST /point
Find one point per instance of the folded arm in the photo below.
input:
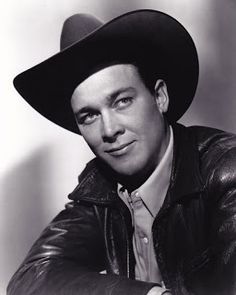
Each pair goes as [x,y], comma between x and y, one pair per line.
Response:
[68,258]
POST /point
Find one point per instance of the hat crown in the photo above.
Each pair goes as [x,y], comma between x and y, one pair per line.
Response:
[77,27]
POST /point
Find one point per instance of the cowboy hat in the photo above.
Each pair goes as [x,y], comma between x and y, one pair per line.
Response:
[147,36]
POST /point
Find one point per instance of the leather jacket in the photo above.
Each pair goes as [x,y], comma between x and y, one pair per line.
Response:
[194,233]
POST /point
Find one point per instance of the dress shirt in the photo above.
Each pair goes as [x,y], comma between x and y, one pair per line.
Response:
[144,203]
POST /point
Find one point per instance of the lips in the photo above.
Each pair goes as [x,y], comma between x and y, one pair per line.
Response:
[120,150]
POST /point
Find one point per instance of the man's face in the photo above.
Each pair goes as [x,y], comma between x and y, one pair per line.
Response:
[121,121]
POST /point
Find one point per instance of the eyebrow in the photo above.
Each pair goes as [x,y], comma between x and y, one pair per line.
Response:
[110,98]
[116,93]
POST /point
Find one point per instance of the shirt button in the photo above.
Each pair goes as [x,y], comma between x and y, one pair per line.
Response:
[136,194]
[145,240]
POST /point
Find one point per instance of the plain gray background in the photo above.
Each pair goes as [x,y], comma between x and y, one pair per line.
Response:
[39,160]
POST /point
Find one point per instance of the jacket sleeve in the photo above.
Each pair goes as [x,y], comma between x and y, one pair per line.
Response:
[222,193]
[68,258]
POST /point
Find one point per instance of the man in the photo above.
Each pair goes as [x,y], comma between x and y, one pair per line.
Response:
[155,211]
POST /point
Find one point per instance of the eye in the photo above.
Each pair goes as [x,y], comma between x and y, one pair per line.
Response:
[87,118]
[124,102]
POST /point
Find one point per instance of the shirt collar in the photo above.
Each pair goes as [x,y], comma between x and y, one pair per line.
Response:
[154,190]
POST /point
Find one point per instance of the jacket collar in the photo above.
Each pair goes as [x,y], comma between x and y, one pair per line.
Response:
[97,184]
[185,177]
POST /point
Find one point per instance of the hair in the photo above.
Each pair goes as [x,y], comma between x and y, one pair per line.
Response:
[146,72]
[148,76]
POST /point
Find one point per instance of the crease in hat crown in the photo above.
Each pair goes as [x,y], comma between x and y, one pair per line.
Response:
[77,27]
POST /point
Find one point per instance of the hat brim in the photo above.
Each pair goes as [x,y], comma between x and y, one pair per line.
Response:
[48,86]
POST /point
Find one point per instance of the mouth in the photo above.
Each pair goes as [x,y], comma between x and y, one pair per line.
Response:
[120,150]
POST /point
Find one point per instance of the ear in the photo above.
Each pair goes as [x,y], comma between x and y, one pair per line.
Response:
[161,96]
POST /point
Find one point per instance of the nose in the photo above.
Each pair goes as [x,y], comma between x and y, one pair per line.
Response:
[111,127]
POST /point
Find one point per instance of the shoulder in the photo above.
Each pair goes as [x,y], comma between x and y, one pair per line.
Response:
[212,139]
[217,157]
[213,144]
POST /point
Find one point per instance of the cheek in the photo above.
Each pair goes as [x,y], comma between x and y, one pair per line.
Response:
[147,121]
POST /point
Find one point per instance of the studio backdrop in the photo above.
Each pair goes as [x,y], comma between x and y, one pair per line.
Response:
[40,161]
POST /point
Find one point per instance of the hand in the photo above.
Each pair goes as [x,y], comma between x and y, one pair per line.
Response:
[158,291]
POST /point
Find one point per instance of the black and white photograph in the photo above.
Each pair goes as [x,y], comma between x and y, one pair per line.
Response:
[118,150]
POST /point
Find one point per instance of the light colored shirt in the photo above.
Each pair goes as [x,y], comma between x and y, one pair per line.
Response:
[144,203]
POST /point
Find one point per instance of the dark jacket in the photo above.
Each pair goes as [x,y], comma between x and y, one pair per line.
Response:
[194,233]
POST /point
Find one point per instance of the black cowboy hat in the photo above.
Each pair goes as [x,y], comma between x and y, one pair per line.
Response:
[146,36]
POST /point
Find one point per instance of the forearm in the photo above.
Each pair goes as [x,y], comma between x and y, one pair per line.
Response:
[65,277]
